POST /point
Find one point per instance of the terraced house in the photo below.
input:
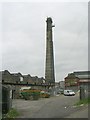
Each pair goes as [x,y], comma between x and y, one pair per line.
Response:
[17,80]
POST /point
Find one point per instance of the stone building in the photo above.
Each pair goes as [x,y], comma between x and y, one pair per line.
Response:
[85,84]
[72,82]
[18,78]
[17,81]
[76,79]
[7,77]
[28,79]
[62,84]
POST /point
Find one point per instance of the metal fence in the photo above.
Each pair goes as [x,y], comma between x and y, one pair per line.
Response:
[84,92]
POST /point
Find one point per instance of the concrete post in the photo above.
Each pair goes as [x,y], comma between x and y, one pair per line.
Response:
[82,93]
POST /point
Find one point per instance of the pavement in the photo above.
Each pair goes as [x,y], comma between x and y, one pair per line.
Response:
[82,113]
[53,107]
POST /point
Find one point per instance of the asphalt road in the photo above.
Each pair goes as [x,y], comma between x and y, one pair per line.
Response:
[53,107]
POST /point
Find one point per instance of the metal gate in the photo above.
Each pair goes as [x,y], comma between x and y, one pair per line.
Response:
[6,99]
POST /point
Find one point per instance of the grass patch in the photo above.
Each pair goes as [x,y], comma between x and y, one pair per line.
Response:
[84,101]
[12,113]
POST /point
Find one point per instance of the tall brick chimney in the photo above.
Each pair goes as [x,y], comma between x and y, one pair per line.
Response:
[49,67]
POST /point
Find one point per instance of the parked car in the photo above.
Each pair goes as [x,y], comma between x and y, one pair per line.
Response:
[69,93]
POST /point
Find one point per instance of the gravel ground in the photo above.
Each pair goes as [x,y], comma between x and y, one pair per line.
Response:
[53,107]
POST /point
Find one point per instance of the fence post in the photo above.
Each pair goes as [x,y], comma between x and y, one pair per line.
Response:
[82,93]
[6,99]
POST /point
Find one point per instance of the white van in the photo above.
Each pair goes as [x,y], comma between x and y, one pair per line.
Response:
[69,92]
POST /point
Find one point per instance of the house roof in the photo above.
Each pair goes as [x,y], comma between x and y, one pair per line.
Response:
[4,72]
[79,74]
[16,74]
[83,76]
[82,73]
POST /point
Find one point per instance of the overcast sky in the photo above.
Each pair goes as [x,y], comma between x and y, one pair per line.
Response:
[24,37]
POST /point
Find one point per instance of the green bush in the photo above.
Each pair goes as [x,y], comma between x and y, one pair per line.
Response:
[25,95]
[12,113]
[35,95]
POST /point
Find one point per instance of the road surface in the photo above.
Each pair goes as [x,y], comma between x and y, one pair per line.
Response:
[54,107]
